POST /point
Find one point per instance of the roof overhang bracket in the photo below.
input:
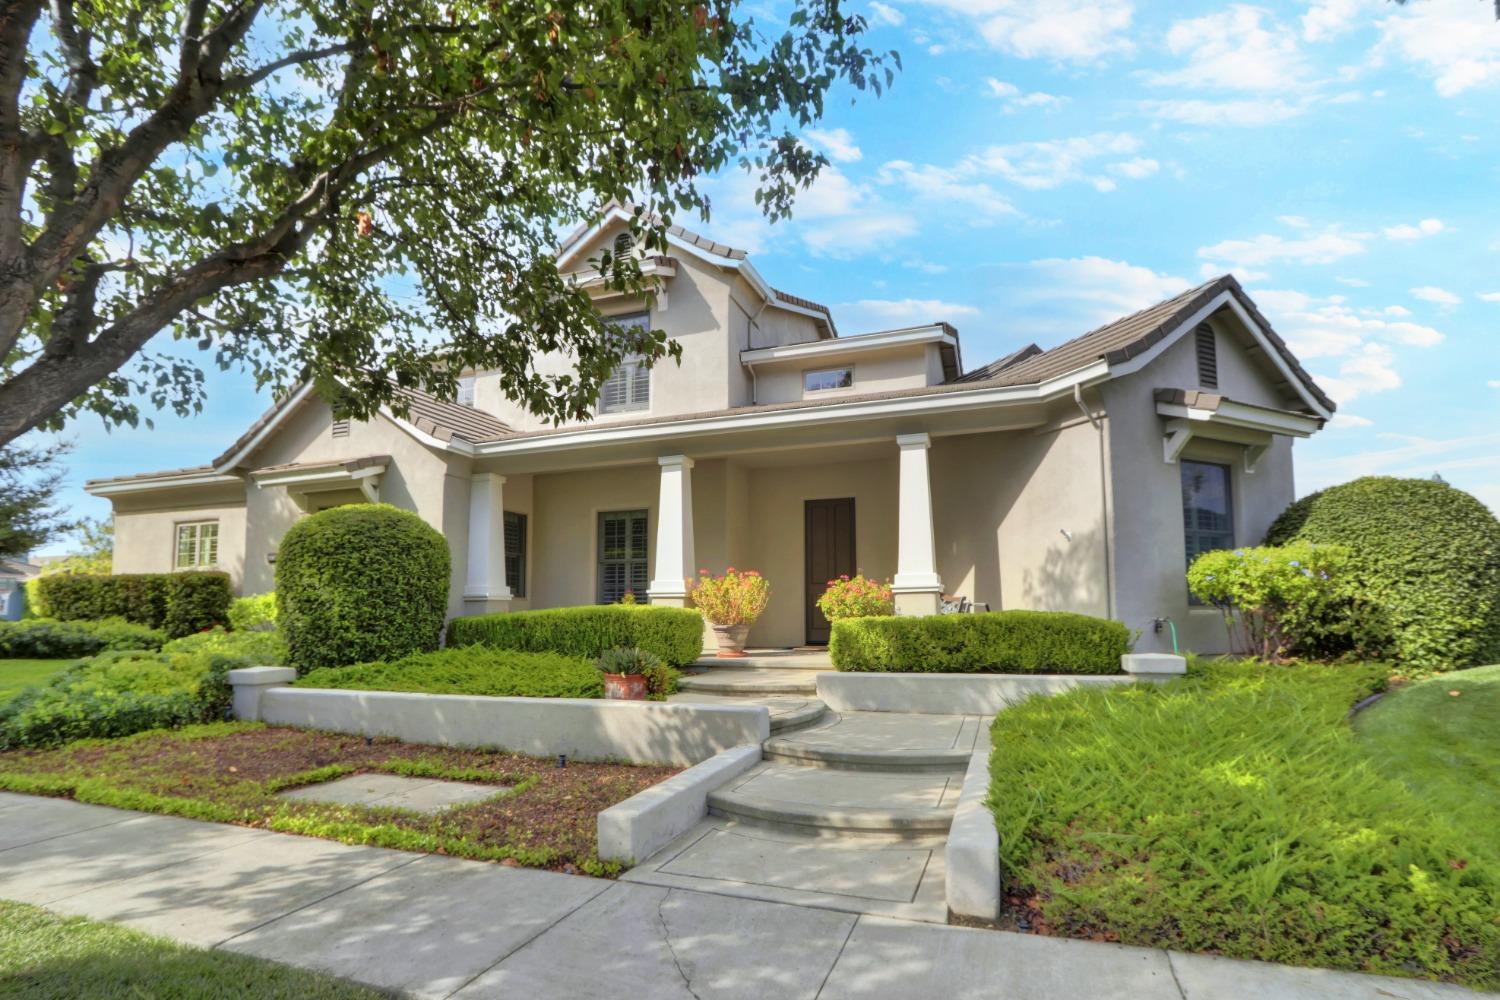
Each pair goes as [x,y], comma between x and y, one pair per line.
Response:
[1179,433]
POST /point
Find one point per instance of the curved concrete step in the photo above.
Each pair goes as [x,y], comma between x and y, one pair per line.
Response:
[789,713]
[783,795]
[881,741]
[751,682]
[790,751]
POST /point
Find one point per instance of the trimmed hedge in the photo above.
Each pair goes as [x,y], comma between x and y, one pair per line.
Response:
[991,642]
[474,670]
[46,638]
[178,603]
[359,583]
[264,649]
[1425,555]
[673,634]
[119,693]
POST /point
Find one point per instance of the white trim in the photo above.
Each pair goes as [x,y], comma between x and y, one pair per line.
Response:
[281,413]
[862,342]
[1245,416]
[109,489]
[1291,377]
[324,473]
[650,268]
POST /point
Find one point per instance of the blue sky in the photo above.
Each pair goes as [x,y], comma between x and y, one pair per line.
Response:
[1042,166]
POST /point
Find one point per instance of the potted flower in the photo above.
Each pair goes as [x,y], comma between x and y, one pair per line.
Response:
[856,597]
[731,603]
[625,670]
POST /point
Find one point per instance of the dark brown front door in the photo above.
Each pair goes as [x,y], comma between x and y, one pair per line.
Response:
[830,554]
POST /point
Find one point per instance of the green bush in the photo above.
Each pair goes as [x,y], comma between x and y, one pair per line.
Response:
[470,670]
[258,611]
[263,649]
[1426,555]
[46,638]
[178,603]
[116,694]
[673,634]
[360,583]
[1235,812]
[991,642]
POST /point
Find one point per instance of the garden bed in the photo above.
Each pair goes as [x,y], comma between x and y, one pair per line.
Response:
[232,772]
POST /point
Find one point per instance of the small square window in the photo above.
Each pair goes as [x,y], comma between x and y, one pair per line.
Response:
[832,378]
[197,545]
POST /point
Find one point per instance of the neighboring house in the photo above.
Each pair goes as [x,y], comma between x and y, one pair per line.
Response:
[1079,478]
[13,576]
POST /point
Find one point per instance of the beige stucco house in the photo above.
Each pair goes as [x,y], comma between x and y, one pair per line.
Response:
[1077,478]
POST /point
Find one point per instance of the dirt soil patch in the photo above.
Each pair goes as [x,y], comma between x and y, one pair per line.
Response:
[232,772]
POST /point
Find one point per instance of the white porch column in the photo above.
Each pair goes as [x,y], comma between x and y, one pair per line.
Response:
[916,586]
[674,532]
[485,589]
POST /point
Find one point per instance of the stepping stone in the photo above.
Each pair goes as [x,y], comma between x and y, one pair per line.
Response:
[394,791]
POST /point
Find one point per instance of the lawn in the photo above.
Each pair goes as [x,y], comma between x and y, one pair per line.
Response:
[1444,745]
[17,675]
[43,955]
[1235,812]
[542,816]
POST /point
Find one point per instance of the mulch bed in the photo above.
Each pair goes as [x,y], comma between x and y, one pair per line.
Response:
[548,821]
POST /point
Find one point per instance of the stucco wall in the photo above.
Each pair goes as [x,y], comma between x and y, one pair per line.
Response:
[566,528]
[146,528]
[874,371]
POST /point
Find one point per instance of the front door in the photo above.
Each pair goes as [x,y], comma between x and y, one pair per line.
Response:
[829,528]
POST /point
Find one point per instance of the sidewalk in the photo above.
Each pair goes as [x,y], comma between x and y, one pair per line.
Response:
[439,927]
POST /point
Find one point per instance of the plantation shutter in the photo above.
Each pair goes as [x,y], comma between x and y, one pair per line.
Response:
[623,547]
[629,387]
[515,553]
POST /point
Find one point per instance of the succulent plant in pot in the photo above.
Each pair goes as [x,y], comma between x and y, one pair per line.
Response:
[731,603]
[625,670]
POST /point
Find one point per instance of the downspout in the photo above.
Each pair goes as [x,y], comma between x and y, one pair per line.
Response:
[749,344]
[1104,511]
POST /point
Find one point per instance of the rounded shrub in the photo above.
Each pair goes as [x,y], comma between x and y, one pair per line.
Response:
[1426,557]
[360,583]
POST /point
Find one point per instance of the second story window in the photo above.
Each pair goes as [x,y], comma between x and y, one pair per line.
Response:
[831,378]
[629,388]
[466,390]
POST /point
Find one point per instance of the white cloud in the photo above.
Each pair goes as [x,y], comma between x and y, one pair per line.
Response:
[1074,31]
[851,235]
[1136,169]
[1015,99]
[1493,383]
[837,143]
[1469,455]
[1039,166]
[1237,114]
[835,217]
[884,15]
[1353,282]
[1348,421]
[1103,289]
[1314,248]
[1489,296]
[999,88]
[1396,311]
[1407,231]
[1327,19]
[947,185]
[1232,50]
[1367,369]
[1439,296]
[885,314]
[1453,41]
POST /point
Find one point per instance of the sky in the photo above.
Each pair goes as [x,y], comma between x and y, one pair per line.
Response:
[1041,167]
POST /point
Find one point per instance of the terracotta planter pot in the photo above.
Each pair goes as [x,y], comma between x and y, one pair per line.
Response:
[731,639]
[625,687]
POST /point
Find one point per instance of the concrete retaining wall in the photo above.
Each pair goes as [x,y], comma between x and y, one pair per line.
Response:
[948,694]
[585,729]
[973,851]
[643,824]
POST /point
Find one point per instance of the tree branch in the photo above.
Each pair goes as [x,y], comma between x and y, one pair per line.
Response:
[17,18]
[83,74]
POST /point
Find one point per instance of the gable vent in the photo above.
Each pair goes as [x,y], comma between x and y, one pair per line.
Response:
[341,428]
[1208,358]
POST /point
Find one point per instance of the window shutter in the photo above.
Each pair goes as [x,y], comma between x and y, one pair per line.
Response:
[515,553]
[613,395]
[640,384]
[1208,358]
[624,540]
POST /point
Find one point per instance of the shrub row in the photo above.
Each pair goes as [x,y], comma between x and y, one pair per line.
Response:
[673,634]
[998,642]
[47,638]
[472,670]
[177,603]
[263,649]
[119,693]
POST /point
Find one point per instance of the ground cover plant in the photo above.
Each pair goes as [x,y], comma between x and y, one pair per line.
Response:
[16,675]
[674,634]
[543,816]
[1441,737]
[48,638]
[480,670]
[1000,642]
[1235,812]
[262,648]
[45,956]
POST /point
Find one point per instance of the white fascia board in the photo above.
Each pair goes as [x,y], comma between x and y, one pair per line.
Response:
[291,404]
[1292,377]
[455,445]
[649,268]
[837,345]
[109,489]
[918,405]
[332,472]
[1243,415]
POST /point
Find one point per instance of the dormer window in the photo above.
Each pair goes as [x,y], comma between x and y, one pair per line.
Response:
[629,388]
[828,378]
[1208,358]
[466,390]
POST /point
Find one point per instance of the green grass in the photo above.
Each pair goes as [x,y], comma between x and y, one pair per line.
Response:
[1446,748]
[43,955]
[17,675]
[1235,812]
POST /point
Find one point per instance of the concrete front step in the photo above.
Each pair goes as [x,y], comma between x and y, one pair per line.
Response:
[789,713]
[791,796]
[750,682]
[881,741]
[770,659]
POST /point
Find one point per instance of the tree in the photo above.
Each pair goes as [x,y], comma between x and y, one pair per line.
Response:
[29,517]
[366,195]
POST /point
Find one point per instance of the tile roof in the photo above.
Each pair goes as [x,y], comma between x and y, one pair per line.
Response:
[192,470]
[446,421]
[1000,364]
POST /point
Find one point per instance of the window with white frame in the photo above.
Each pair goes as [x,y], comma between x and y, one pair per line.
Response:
[828,378]
[197,545]
[466,390]
[629,387]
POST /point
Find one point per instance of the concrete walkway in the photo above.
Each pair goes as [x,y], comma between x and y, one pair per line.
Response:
[434,926]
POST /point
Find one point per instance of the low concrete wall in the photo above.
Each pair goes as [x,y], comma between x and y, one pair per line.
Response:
[586,729]
[948,694]
[973,851]
[643,824]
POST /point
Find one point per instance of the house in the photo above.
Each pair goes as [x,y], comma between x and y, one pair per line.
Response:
[13,576]
[1080,478]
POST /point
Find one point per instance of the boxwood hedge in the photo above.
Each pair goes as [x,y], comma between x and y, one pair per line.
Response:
[47,638]
[1427,557]
[359,583]
[993,642]
[673,634]
[178,603]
